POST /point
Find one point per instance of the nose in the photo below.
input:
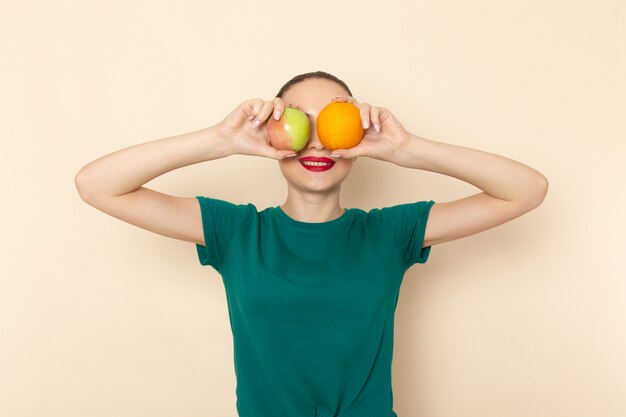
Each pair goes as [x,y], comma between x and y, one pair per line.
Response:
[314,140]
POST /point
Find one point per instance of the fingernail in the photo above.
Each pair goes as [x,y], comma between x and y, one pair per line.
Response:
[377,127]
[365,124]
[251,117]
[335,155]
[277,115]
[256,123]
[290,155]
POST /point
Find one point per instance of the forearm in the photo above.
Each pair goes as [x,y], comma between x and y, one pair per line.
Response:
[128,169]
[496,175]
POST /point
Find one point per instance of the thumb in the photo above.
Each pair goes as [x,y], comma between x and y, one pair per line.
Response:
[287,154]
[271,152]
[346,153]
[283,153]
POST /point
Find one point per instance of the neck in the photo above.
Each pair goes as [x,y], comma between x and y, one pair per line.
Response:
[313,208]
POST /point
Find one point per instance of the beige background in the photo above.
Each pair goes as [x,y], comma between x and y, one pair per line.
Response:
[101,318]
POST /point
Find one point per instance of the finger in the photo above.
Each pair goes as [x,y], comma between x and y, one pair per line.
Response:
[280,153]
[365,115]
[279,107]
[350,99]
[339,153]
[375,116]
[346,99]
[266,110]
[288,154]
[271,152]
[347,153]
[256,105]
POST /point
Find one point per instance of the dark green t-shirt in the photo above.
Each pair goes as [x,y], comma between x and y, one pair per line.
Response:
[311,305]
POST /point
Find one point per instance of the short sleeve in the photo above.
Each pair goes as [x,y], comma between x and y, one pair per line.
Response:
[220,220]
[406,224]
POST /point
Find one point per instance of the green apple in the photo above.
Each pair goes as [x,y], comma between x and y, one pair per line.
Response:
[291,131]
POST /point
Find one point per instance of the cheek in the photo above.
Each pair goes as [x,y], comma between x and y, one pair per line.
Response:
[289,167]
[344,163]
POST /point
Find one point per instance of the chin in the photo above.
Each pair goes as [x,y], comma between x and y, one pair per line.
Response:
[316,189]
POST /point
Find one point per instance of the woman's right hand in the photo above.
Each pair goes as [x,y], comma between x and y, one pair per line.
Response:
[246,138]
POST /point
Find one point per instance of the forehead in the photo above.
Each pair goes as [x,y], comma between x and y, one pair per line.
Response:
[313,93]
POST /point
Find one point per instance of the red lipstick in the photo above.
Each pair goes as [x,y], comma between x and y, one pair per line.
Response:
[319,163]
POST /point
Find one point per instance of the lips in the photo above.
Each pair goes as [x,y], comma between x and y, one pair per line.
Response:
[317,159]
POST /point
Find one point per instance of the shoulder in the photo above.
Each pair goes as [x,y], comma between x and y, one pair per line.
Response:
[213,203]
[392,212]
[224,213]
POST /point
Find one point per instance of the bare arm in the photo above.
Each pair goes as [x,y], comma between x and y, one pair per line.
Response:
[114,183]
[510,188]
[126,170]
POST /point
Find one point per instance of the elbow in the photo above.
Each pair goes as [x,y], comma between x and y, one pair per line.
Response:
[539,191]
[80,182]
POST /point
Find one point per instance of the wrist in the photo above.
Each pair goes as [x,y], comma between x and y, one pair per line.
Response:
[406,151]
[217,146]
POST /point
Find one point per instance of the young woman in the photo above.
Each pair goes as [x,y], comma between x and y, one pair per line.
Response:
[311,287]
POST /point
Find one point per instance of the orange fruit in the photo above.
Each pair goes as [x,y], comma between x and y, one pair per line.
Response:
[339,126]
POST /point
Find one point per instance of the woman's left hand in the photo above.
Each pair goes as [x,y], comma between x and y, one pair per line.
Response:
[384,135]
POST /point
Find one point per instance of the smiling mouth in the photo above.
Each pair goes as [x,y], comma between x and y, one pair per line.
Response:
[317,166]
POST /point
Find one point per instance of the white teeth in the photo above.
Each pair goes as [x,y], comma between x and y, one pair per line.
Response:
[316,164]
